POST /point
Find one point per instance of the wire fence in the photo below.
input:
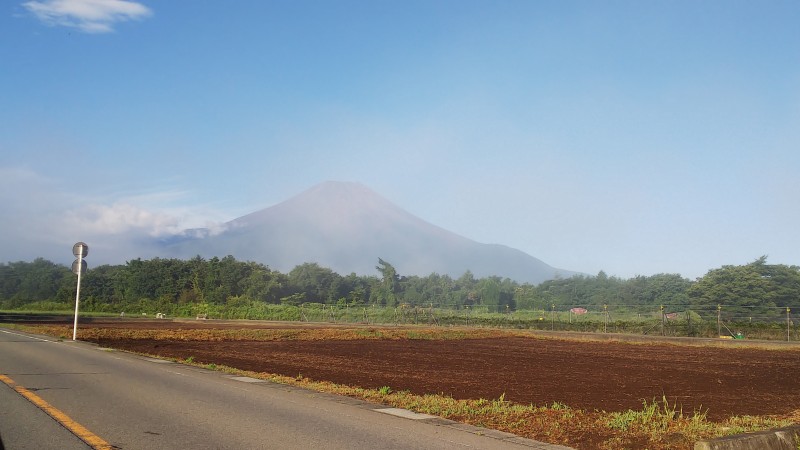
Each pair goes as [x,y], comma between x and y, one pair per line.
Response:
[722,321]
[713,321]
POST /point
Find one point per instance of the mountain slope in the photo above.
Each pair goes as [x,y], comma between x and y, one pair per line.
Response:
[347,227]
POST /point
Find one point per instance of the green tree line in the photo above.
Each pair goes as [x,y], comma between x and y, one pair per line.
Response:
[172,284]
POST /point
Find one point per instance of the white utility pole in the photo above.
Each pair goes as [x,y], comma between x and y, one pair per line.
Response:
[80,250]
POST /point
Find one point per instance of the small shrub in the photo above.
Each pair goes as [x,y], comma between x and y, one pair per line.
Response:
[385,390]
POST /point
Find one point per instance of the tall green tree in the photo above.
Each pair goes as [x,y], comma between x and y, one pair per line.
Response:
[757,287]
[390,283]
[318,284]
[24,282]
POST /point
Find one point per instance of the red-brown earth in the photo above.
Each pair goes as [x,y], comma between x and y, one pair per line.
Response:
[606,376]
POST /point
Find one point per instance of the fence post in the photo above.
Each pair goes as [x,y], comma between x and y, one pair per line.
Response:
[788,324]
[688,323]
[605,323]
[663,321]
[553,317]
[719,320]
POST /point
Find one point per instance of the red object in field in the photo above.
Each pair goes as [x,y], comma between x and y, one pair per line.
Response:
[578,311]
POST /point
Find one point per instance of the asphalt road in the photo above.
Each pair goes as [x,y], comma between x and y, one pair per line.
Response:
[132,402]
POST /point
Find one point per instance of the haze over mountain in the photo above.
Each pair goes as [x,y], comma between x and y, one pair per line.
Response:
[347,227]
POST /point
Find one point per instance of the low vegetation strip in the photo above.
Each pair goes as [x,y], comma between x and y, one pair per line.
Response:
[95,333]
[237,330]
[586,395]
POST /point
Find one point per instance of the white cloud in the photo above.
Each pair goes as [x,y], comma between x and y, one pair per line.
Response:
[125,218]
[89,16]
[44,216]
[121,218]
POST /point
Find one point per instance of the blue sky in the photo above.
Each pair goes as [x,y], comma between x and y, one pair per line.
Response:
[626,136]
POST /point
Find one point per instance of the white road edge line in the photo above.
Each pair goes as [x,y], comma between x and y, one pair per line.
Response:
[26,336]
[158,361]
[399,412]
[247,380]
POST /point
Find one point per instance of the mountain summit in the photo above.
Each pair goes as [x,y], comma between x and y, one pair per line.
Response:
[347,227]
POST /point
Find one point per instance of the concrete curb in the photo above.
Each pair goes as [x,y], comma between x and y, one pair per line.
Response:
[787,438]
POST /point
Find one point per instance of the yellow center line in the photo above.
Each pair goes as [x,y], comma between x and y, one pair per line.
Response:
[77,429]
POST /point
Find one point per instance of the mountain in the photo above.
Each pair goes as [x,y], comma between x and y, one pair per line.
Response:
[347,227]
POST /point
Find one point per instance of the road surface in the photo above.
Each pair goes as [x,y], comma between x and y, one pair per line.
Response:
[126,401]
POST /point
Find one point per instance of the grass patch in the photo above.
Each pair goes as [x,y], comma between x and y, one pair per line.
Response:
[385,390]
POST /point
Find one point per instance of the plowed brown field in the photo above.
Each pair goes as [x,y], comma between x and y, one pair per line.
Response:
[609,376]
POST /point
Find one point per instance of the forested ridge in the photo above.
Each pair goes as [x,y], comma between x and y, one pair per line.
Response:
[181,285]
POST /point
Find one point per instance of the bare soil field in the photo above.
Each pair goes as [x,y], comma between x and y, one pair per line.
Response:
[604,376]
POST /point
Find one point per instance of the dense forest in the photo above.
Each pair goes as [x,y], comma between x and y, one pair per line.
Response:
[179,286]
